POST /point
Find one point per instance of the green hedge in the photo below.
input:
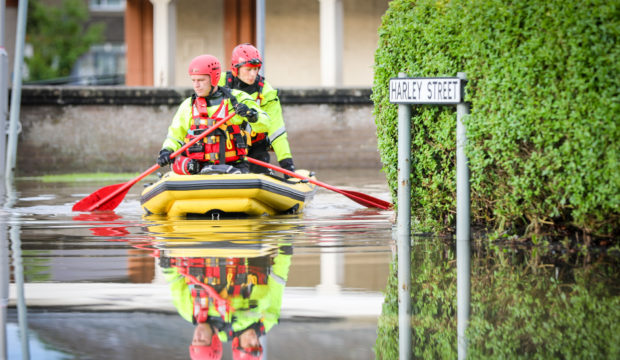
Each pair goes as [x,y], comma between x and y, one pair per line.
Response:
[543,131]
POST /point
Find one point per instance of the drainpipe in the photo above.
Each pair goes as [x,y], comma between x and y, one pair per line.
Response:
[260,31]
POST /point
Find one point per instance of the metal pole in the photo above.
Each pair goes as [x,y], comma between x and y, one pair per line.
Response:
[4,276]
[404,229]
[2,21]
[16,93]
[4,106]
[463,243]
[260,31]
[19,286]
[18,269]
[4,89]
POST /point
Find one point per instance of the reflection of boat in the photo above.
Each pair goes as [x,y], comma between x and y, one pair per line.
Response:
[213,195]
[223,238]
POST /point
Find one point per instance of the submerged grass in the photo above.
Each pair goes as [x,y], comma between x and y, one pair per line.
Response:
[84,177]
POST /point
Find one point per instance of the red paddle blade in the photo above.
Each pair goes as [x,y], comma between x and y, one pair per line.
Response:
[367,200]
[358,197]
[92,199]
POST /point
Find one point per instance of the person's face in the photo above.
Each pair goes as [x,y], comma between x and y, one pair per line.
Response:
[201,84]
[249,339]
[202,335]
[248,74]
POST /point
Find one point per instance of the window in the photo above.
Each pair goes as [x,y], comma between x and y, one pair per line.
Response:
[102,65]
[107,5]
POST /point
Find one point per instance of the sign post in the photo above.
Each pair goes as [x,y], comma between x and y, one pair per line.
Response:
[403,228]
[431,91]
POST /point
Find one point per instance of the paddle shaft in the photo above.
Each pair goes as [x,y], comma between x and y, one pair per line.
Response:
[150,170]
[360,198]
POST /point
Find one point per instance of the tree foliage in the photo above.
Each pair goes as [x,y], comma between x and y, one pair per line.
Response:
[58,36]
[543,130]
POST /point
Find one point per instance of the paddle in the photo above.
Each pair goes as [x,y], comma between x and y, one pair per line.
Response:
[108,198]
[358,197]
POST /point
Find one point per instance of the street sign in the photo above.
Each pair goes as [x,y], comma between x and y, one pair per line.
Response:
[440,91]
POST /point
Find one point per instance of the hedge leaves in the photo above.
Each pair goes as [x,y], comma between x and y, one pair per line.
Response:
[543,131]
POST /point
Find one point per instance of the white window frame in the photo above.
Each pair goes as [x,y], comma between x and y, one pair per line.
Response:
[106,5]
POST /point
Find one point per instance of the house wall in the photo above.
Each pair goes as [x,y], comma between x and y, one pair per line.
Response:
[292,45]
[200,26]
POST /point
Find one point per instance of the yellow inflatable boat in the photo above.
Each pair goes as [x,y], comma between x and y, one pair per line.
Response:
[224,195]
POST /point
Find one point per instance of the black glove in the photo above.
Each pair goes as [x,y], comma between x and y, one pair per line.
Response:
[193,166]
[288,165]
[244,111]
[164,157]
[185,166]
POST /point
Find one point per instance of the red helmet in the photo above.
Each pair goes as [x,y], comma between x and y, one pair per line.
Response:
[239,353]
[206,65]
[245,55]
[207,352]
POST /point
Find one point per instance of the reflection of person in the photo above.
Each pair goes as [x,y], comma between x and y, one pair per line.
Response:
[239,298]
[199,304]
[247,346]
[243,75]
[226,145]
[205,343]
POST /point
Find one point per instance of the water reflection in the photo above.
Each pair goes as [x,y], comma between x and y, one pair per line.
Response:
[548,301]
[4,277]
[109,272]
[230,299]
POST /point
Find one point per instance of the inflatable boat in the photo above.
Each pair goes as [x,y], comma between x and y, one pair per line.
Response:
[222,195]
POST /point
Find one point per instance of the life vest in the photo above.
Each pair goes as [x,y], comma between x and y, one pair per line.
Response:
[260,83]
[228,142]
[203,295]
[227,276]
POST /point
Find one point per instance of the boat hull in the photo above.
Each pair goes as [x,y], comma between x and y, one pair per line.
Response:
[221,194]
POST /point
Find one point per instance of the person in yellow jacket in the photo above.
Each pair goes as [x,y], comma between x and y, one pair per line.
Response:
[240,308]
[223,150]
[243,75]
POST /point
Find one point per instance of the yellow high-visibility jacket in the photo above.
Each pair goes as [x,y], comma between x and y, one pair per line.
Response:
[183,118]
[270,103]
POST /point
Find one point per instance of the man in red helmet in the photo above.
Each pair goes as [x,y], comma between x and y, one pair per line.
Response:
[243,75]
[223,150]
[206,345]
[247,346]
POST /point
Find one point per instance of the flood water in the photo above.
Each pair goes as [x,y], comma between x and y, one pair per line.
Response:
[97,284]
